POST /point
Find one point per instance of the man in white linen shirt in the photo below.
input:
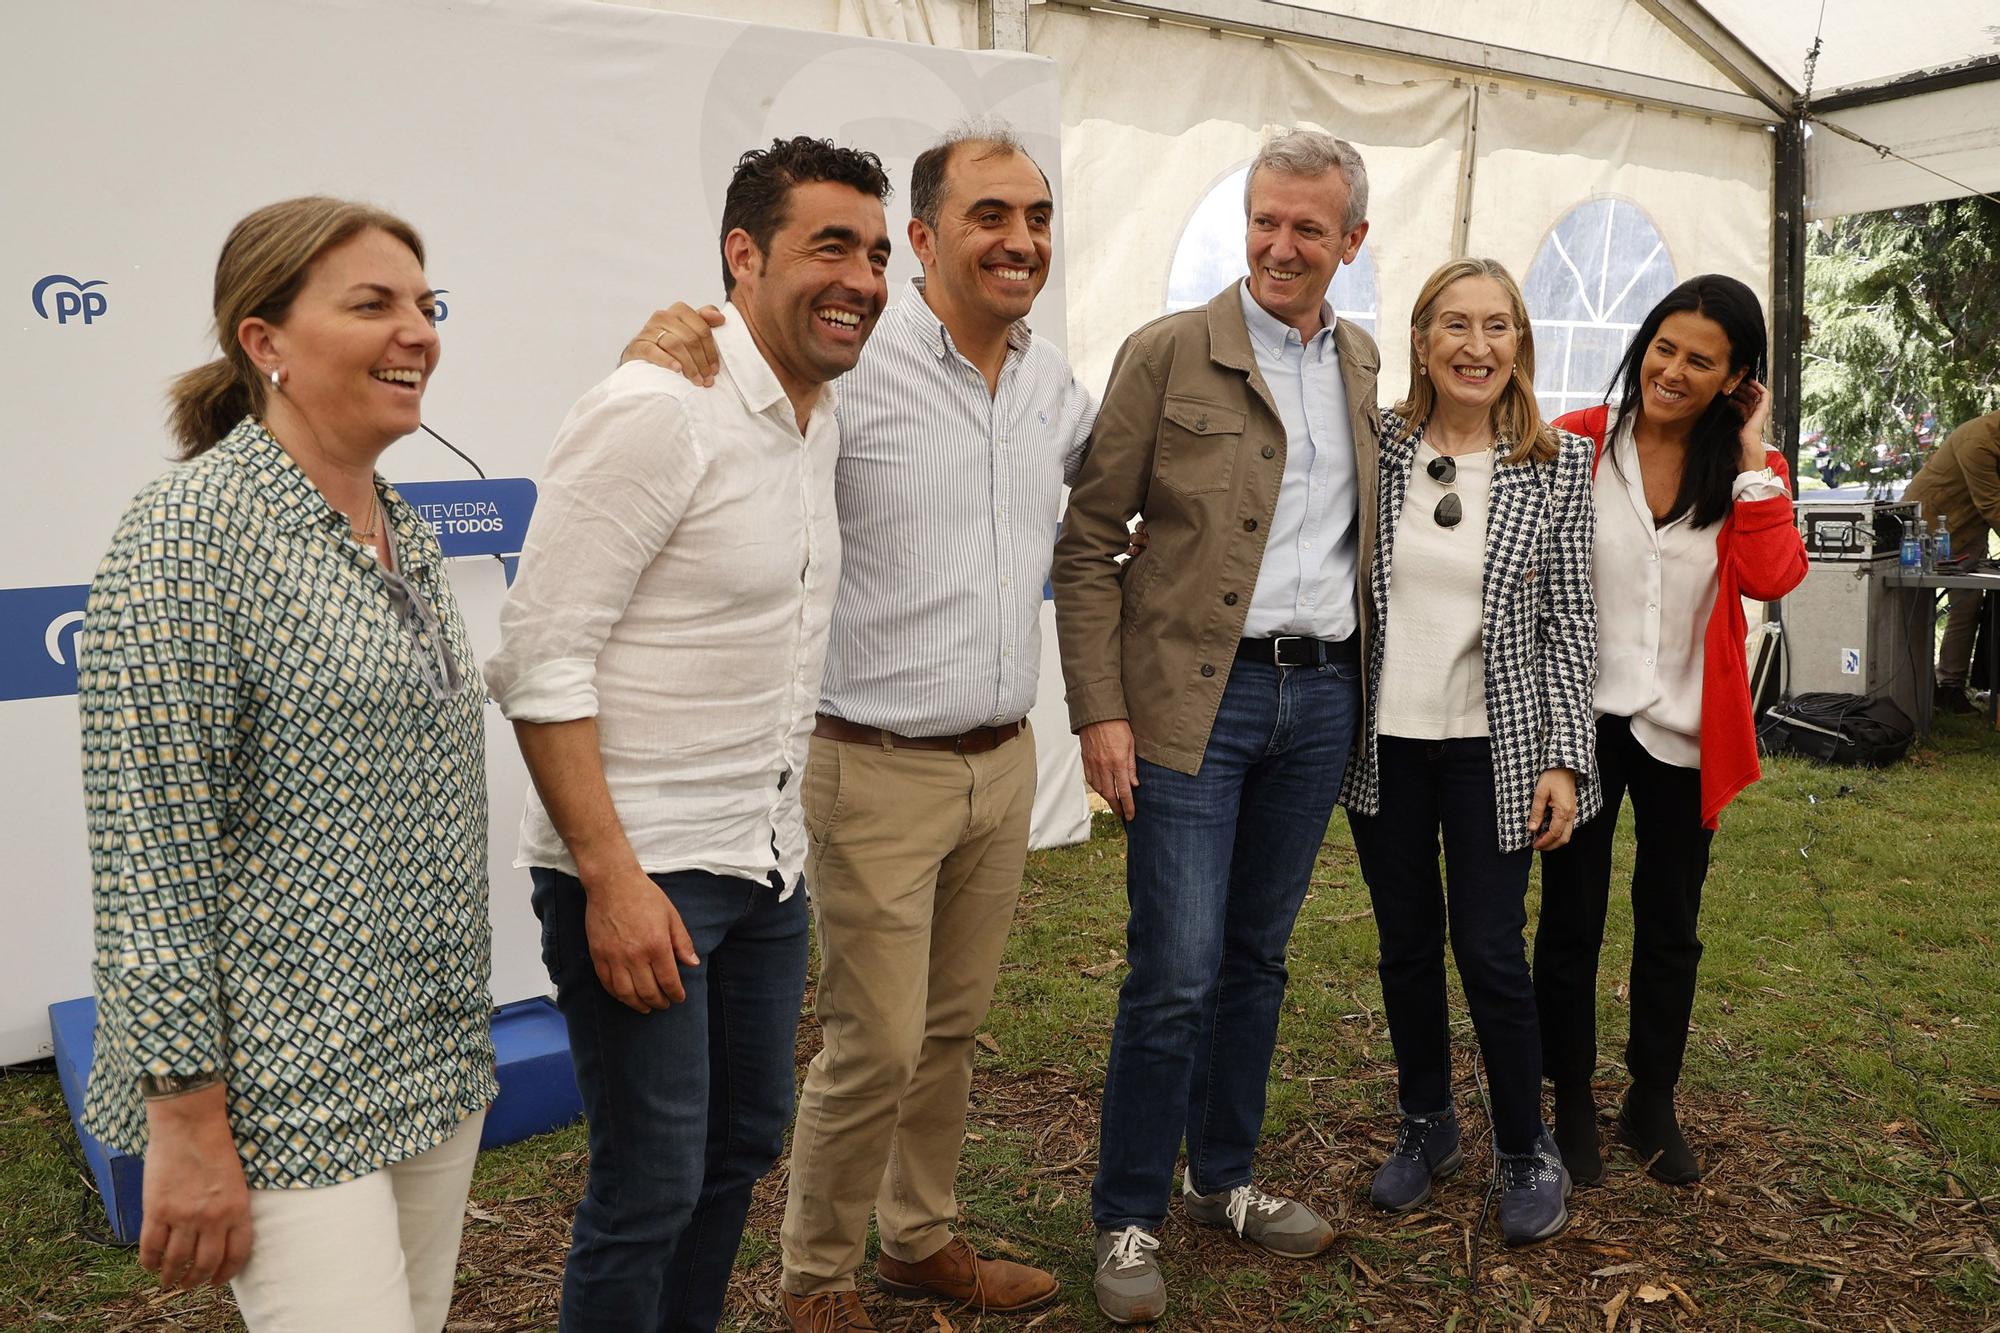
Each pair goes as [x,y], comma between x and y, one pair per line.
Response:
[661,655]
[958,429]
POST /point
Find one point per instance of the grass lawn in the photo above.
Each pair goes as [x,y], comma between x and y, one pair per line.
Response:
[1843,1089]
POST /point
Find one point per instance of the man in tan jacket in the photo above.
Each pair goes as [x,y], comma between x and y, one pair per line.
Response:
[1959,490]
[1215,681]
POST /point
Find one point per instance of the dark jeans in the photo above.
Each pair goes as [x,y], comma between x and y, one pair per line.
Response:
[687,1105]
[1428,786]
[1216,867]
[1670,863]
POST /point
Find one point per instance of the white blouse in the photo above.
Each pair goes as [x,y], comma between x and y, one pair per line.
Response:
[1433,671]
[1655,589]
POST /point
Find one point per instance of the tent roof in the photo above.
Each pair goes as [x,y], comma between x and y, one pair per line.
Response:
[1861,41]
[1905,93]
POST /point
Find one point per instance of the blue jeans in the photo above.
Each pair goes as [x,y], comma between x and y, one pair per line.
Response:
[1446,786]
[1216,867]
[687,1105]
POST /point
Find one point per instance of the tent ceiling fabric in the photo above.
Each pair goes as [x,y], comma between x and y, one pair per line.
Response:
[1616,34]
[1862,41]
[1955,132]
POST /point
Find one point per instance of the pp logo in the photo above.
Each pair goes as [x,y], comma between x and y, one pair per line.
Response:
[67,298]
[38,648]
[1850,661]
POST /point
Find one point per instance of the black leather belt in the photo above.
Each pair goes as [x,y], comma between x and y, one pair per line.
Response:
[1295,650]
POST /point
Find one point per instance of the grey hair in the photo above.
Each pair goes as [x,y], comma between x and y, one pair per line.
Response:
[1313,153]
[994,136]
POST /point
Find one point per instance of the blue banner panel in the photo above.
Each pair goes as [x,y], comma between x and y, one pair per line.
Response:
[38,640]
[474,517]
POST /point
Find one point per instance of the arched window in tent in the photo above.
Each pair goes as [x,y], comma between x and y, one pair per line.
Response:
[1210,255]
[1598,273]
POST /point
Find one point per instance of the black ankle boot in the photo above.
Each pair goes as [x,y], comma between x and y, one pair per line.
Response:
[1576,1135]
[1647,1124]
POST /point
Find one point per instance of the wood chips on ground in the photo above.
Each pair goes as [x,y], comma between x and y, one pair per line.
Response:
[1754,1236]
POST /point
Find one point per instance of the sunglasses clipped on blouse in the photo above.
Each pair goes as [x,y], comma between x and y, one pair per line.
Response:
[1444,471]
[426,632]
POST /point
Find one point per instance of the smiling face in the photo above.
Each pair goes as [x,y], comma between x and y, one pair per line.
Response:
[811,300]
[988,258]
[358,345]
[1296,242]
[1685,367]
[1469,347]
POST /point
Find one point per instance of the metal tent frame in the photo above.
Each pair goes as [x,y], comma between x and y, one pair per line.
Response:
[1764,97]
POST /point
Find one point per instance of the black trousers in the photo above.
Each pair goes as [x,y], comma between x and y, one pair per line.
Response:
[1433,788]
[1670,863]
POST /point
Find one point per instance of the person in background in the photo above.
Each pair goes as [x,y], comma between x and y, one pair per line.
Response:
[1214,681]
[661,652]
[285,786]
[1693,515]
[1958,490]
[957,420]
[1478,725]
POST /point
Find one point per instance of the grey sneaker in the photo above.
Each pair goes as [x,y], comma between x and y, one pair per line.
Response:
[1129,1287]
[1533,1186]
[1426,1149]
[1283,1226]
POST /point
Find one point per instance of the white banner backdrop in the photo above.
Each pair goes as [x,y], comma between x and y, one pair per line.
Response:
[565,162]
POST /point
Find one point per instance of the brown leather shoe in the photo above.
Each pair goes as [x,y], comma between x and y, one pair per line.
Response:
[958,1275]
[827,1312]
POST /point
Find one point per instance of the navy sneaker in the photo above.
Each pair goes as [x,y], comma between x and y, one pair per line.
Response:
[1533,1186]
[1426,1150]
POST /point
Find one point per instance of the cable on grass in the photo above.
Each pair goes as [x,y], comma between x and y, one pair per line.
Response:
[1492,1181]
[91,1208]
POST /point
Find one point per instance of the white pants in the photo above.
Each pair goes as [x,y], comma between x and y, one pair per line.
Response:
[378,1253]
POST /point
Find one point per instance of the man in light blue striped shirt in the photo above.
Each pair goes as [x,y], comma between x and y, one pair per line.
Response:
[959,428]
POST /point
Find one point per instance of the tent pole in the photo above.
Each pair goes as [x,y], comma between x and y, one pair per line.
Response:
[1788,285]
[1788,308]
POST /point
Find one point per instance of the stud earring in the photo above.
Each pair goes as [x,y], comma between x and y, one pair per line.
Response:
[274,377]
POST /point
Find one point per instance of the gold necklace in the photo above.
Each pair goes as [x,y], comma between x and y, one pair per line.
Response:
[374,518]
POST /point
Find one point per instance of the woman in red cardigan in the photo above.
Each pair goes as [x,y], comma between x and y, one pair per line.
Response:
[1693,515]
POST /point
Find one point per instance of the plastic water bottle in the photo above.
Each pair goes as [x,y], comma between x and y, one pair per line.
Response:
[1926,546]
[1942,542]
[1911,557]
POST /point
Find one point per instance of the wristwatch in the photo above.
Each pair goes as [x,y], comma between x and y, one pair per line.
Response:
[155,1086]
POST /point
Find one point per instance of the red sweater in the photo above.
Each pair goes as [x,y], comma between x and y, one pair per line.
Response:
[1758,553]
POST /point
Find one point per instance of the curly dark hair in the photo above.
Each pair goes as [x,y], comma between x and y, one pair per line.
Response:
[761,187]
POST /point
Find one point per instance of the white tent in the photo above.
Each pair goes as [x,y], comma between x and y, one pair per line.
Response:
[1600,148]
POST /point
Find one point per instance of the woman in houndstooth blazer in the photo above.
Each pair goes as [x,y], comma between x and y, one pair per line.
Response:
[1478,724]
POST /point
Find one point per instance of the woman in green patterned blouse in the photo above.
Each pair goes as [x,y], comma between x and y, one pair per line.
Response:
[284,776]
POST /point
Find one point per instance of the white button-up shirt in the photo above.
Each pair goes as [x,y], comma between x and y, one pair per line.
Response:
[949,497]
[1655,591]
[676,585]
[1306,582]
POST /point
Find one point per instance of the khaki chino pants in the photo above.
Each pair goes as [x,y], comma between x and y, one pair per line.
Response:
[1961,626]
[914,869]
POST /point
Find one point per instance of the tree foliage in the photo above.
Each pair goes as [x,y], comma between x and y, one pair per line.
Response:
[1904,318]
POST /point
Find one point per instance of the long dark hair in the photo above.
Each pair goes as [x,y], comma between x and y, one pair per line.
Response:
[1713,453]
